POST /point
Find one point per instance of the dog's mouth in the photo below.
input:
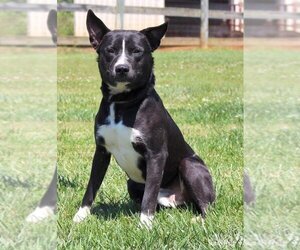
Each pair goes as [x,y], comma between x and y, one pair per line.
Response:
[121,78]
[118,88]
[121,83]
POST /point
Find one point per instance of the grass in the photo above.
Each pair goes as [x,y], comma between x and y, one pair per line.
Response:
[27,145]
[271,144]
[12,23]
[203,92]
[65,22]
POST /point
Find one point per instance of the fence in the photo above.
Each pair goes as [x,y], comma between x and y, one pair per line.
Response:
[202,13]
[114,20]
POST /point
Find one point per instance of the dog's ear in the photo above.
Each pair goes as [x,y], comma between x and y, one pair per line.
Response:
[96,29]
[155,34]
[52,24]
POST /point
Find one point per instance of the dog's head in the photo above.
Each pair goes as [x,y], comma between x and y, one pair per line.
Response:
[125,61]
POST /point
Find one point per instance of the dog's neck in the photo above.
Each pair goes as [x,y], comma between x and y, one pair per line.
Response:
[131,97]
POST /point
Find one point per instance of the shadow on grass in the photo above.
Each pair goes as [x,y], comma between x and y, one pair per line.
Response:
[115,210]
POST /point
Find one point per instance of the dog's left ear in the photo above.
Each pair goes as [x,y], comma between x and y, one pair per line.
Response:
[155,34]
[96,29]
[52,24]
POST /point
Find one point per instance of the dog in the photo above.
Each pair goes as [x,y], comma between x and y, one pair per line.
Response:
[47,204]
[133,125]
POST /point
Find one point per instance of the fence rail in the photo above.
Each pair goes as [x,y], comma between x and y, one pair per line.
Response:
[167,11]
[25,7]
[181,12]
[204,13]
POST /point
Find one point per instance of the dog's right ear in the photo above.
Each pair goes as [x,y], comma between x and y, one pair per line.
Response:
[96,29]
[155,34]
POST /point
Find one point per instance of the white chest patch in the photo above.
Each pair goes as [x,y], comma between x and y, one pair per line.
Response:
[118,141]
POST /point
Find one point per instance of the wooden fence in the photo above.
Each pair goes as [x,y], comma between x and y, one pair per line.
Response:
[203,13]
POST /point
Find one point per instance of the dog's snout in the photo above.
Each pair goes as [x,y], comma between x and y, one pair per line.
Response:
[122,69]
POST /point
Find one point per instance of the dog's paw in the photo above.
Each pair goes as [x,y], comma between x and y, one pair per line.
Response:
[39,214]
[166,202]
[81,214]
[198,219]
[146,221]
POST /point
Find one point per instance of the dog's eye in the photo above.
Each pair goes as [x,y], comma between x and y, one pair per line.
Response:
[137,51]
[110,50]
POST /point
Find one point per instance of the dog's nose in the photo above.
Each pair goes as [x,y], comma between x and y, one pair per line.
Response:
[122,69]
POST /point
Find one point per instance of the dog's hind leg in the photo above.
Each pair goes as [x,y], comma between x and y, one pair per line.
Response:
[198,182]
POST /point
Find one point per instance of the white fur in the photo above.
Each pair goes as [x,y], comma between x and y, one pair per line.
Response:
[164,198]
[119,88]
[198,219]
[146,220]
[118,140]
[81,214]
[122,59]
[39,214]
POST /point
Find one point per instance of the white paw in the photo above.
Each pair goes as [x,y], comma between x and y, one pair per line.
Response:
[146,221]
[81,214]
[198,219]
[39,214]
[166,202]
[166,198]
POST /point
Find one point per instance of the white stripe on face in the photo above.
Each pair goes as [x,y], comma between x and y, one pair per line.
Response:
[122,59]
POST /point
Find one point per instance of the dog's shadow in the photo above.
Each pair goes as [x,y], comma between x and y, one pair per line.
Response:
[111,211]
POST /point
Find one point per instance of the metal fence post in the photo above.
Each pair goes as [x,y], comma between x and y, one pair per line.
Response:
[204,23]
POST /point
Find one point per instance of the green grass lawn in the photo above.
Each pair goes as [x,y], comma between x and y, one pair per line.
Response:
[27,144]
[203,92]
[271,147]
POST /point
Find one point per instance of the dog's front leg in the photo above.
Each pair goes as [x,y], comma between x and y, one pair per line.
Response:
[155,166]
[100,163]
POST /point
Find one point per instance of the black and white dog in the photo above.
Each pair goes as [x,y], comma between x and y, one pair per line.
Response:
[133,125]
